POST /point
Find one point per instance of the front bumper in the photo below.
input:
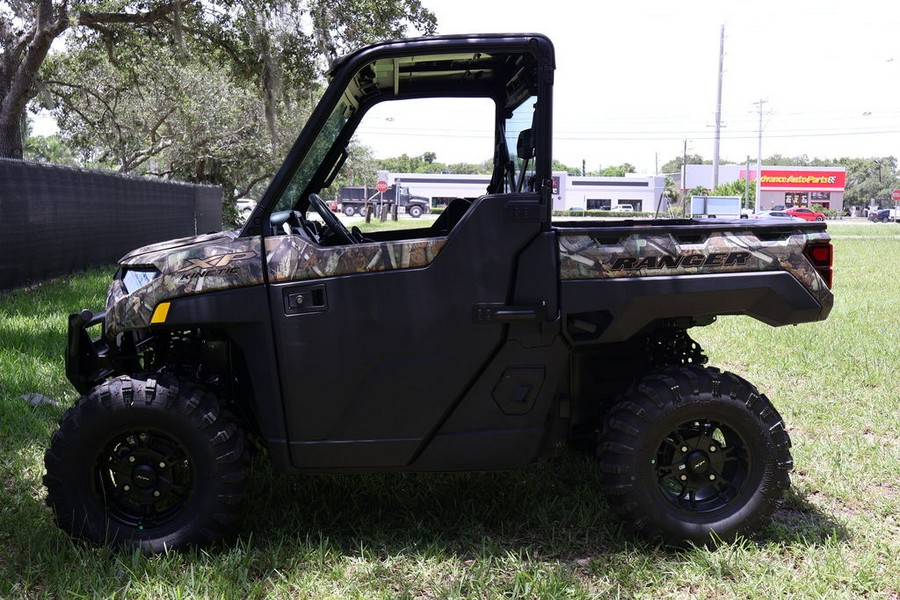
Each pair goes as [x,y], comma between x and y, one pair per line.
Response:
[87,358]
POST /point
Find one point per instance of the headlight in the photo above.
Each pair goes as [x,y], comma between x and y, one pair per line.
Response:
[133,279]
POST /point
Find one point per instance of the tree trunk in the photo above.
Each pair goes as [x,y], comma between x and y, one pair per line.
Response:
[20,71]
[11,137]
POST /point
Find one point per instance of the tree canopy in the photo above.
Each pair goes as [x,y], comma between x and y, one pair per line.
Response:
[429,163]
[135,72]
[617,171]
[674,165]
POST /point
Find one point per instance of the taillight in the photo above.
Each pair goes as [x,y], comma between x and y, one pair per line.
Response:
[821,256]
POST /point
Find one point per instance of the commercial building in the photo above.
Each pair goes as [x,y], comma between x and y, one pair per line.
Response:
[779,186]
[638,194]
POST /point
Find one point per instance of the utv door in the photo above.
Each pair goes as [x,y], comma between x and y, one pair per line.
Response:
[373,363]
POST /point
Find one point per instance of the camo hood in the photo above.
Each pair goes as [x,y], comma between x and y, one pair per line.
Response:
[140,255]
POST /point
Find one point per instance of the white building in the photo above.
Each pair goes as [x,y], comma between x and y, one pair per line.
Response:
[638,194]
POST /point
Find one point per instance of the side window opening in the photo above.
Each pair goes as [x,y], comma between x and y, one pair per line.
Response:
[427,153]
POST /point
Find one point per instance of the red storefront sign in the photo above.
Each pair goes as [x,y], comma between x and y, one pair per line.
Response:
[787,179]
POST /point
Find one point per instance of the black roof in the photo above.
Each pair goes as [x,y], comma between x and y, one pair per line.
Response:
[457,65]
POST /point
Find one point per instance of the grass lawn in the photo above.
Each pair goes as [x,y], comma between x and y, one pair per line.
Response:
[540,533]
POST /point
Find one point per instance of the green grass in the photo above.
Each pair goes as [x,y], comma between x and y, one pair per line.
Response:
[542,532]
[375,223]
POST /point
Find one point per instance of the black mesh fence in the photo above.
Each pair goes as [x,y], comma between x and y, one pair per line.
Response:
[56,220]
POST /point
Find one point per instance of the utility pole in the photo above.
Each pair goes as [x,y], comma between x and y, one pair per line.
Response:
[747,186]
[718,109]
[759,155]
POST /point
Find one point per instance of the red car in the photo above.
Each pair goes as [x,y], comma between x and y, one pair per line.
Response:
[806,214]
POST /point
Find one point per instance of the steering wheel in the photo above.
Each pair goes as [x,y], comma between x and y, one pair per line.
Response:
[334,224]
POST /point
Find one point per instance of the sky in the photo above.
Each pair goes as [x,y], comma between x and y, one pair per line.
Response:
[637,79]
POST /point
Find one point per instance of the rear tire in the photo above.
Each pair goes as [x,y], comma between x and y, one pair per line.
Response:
[692,454]
[147,464]
[349,211]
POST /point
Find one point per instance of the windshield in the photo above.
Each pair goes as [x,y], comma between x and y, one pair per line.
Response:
[314,160]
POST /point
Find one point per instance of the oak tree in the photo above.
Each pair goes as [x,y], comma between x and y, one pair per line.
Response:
[269,44]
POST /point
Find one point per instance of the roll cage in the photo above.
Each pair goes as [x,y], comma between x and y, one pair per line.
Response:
[515,71]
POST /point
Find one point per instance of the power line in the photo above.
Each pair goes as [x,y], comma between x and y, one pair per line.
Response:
[649,136]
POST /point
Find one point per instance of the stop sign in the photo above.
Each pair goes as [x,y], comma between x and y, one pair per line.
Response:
[381,186]
[895,195]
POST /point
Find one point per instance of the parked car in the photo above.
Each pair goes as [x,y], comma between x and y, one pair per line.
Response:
[776,215]
[880,216]
[806,214]
[625,208]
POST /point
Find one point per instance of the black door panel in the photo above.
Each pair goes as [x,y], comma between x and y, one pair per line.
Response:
[372,363]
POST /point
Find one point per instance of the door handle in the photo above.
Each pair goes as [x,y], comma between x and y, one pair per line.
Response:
[502,313]
[306,299]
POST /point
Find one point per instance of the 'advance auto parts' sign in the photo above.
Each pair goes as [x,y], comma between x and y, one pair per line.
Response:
[800,180]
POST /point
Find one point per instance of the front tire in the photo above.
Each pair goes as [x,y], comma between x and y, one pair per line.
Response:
[415,211]
[148,464]
[693,454]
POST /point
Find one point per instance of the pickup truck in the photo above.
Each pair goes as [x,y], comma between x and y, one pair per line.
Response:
[482,341]
[884,215]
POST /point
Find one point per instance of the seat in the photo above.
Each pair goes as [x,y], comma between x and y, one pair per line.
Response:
[451,216]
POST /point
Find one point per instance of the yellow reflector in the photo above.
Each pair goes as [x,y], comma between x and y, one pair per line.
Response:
[160,314]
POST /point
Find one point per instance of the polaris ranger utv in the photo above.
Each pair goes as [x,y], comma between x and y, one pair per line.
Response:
[495,335]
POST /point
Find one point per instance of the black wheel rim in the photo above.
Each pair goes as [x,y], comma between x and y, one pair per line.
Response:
[144,479]
[702,466]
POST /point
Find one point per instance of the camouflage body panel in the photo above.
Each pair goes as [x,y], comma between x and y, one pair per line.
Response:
[224,261]
[188,266]
[583,256]
[152,252]
[292,258]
